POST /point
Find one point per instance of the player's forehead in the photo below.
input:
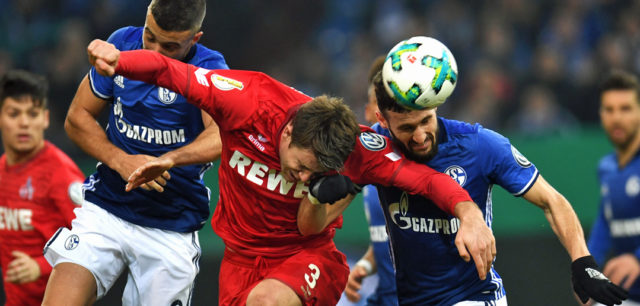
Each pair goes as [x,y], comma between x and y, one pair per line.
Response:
[305,158]
[163,36]
[22,103]
[620,97]
[413,117]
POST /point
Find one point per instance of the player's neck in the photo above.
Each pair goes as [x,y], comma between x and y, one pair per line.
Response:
[625,155]
[14,157]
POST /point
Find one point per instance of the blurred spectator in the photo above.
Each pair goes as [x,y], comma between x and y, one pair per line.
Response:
[541,115]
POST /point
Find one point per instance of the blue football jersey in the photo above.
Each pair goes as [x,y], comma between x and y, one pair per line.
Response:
[385,292]
[429,270]
[147,119]
[617,227]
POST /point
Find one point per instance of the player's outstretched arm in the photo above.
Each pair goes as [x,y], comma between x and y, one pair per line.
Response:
[475,239]
[313,213]
[363,268]
[585,275]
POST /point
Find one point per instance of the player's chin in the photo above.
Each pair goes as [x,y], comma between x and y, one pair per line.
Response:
[24,146]
[421,150]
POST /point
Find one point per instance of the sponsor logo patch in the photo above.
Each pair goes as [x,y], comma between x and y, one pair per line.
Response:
[225,83]
[372,141]
[520,159]
[119,80]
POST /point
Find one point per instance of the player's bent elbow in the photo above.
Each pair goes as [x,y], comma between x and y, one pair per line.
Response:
[69,127]
[308,229]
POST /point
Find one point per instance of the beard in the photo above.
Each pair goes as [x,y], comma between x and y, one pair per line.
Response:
[420,158]
[623,144]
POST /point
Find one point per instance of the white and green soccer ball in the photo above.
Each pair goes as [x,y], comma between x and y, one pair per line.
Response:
[420,73]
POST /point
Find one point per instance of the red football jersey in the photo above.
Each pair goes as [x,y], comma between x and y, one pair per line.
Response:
[35,200]
[257,209]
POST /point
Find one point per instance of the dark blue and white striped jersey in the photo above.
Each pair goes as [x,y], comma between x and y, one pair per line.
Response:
[429,270]
[385,292]
[617,227]
[151,120]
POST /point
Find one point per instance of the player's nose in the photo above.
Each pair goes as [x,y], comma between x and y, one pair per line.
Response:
[419,136]
[23,120]
[304,176]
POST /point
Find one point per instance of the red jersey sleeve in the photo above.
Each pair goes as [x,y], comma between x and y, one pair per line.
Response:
[373,161]
[229,96]
[65,194]
[65,191]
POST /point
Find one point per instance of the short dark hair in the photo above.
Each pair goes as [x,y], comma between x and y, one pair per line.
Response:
[376,66]
[178,15]
[20,84]
[386,102]
[620,80]
[328,127]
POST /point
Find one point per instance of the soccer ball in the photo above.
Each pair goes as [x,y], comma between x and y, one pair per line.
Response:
[420,73]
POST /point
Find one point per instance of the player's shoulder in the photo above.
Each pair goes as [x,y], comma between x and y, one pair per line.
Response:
[456,127]
[55,156]
[127,38]
[608,163]
[208,58]
[461,133]
[380,130]
[371,141]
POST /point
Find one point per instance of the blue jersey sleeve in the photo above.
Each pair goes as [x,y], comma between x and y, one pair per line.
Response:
[102,86]
[600,239]
[504,164]
[380,130]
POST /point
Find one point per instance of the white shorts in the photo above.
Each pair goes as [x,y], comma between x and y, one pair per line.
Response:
[162,264]
[624,303]
[499,302]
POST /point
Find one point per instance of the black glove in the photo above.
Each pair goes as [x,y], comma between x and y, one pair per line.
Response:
[588,282]
[331,188]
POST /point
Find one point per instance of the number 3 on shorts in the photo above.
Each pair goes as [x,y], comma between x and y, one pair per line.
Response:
[315,274]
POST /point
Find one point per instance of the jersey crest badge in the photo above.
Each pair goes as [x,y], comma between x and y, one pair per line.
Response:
[632,187]
[520,159]
[372,141]
[457,173]
[166,96]
[72,242]
[225,83]
[26,190]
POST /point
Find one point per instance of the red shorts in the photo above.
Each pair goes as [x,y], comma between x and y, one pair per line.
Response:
[28,294]
[318,275]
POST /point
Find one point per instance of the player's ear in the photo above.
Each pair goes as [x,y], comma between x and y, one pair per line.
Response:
[46,119]
[383,122]
[286,132]
[197,37]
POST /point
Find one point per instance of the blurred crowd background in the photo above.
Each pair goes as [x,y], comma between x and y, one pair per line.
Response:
[530,66]
[528,69]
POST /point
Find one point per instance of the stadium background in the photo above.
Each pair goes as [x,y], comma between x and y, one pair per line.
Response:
[528,69]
